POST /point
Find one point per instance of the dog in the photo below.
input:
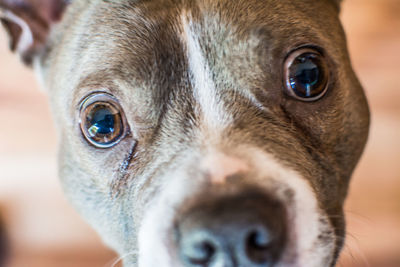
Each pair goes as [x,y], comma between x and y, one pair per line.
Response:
[201,132]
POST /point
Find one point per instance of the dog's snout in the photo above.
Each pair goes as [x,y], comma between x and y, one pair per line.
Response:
[247,230]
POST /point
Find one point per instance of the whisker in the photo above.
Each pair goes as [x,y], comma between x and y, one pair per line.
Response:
[353,216]
[354,251]
[358,217]
[119,259]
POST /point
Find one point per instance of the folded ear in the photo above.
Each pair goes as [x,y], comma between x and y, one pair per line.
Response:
[28,23]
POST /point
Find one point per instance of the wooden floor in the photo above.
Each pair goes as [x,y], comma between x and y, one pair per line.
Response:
[46,232]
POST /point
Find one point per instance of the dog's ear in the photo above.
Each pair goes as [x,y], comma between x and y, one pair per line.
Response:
[28,23]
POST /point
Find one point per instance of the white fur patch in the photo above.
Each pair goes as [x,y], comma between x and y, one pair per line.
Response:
[203,85]
[26,39]
[156,247]
[219,166]
[305,219]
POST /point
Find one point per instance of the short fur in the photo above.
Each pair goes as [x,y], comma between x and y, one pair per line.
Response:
[140,51]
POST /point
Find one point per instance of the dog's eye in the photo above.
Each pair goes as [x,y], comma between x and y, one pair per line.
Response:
[306,75]
[102,120]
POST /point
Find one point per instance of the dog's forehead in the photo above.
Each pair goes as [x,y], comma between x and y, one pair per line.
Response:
[158,24]
[146,42]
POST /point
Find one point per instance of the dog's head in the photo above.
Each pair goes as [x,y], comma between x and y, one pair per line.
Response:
[201,133]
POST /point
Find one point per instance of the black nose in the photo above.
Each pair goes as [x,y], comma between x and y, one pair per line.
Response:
[246,230]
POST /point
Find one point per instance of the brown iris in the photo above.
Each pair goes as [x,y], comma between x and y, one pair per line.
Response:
[101,120]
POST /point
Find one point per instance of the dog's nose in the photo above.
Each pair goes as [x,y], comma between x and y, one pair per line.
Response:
[246,230]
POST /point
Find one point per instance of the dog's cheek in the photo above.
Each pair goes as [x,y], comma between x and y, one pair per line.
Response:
[89,192]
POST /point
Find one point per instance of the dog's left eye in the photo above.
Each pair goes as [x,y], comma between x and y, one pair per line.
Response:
[102,120]
[306,74]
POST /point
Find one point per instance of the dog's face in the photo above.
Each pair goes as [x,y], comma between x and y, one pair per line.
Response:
[207,133]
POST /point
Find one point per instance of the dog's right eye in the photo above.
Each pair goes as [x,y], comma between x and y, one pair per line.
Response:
[102,120]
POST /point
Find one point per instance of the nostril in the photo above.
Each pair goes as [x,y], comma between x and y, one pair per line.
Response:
[259,238]
[200,254]
[257,245]
[241,230]
[198,250]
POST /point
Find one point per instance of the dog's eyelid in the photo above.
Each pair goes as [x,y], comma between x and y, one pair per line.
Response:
[98,82]
[88,96]
[313,46]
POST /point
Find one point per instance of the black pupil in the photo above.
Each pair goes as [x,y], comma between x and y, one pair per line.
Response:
[102,121]
[307,75]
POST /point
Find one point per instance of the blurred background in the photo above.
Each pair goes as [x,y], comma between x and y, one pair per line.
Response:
[46,232]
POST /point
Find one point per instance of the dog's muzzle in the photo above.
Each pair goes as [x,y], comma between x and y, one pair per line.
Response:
[248,229]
